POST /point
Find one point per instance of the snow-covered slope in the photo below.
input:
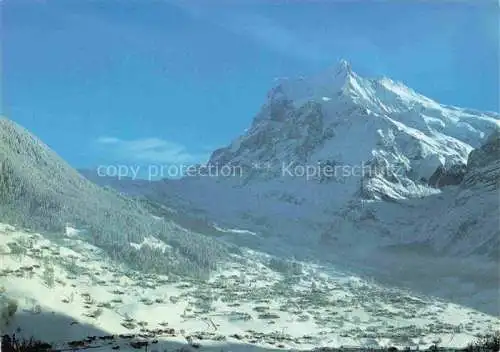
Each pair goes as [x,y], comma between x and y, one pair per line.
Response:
[69,294]
[38,190]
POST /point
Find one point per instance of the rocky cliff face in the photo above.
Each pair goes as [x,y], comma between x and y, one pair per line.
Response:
[483,165]
[458,221]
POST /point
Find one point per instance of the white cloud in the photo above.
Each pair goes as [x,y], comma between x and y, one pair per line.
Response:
[151,150]
[108,140]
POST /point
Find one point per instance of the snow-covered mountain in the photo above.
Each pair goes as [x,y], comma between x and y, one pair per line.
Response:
[339,118]
[344,168]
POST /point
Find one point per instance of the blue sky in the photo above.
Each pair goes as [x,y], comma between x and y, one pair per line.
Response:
[107,81]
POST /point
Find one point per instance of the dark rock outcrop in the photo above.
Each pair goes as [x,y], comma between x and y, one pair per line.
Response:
[451,176]
[483,165]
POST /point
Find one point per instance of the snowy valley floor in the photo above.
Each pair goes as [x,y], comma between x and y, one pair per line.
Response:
[66,291]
